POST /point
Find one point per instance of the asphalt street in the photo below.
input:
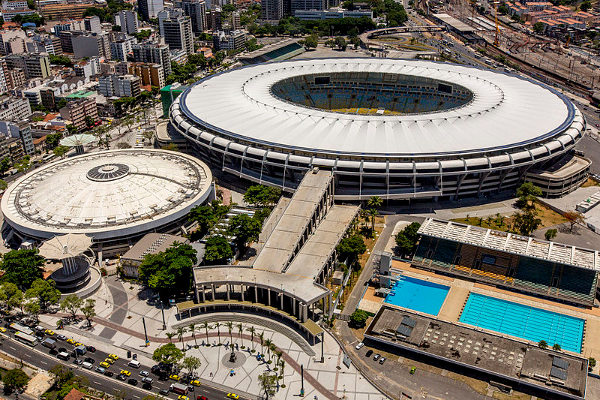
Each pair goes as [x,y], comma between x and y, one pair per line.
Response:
[39,356]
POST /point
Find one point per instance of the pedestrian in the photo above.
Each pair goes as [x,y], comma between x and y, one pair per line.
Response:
[211,375]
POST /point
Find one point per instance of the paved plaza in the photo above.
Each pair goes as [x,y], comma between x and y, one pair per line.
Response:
[120,325]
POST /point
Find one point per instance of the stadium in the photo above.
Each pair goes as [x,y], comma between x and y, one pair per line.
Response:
[400,129]
[113,196]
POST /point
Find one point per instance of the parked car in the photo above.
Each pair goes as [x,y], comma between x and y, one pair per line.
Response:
[163,392]
[376,357]
[381,360]
[110,374]
[369,352]
[359,346]
[144,373]
[101,369]
[132,381]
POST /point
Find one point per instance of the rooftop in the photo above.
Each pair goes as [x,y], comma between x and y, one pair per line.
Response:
[151,243]
[511,243]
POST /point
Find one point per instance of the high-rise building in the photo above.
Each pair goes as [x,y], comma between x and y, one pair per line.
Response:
[233,40]
[119,49]
[150,74]
[305,5]
[20,130]
[90,45]
[213,19]
[177,32]
[77,111]
[87,68]
[119,86]
[153,53]
[150,8]
[33,65]
[14,109]
[128,21]
[92,24]
[271,10]
[196,10]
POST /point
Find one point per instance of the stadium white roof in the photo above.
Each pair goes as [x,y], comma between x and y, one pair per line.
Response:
[511,243]
[78,139]
[107,194]
[506,111]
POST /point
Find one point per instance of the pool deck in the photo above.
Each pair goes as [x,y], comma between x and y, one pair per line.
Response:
[460,289]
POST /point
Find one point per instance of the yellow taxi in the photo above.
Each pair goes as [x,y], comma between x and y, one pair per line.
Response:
[113,356]
[195,382]
[175,377]
[77,344]
[182,397]
[2,329]
[49,332]
[125,372]
[233,396]
[109,360]
[71,341]
[104,364]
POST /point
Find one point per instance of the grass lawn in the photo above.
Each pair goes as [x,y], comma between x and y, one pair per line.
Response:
[548,216]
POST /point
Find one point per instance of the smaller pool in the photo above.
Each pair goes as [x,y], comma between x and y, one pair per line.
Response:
[418,295]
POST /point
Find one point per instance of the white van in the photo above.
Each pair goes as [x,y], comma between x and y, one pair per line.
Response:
[134,363]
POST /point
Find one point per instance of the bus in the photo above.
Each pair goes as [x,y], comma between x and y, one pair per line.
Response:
[21,328]
[25,338]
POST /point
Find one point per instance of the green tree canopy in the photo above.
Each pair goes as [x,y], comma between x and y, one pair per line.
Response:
[45,292]
[170,271]
[72,303]
[406,239]
[526,222]
[311,42]
[527,194]
[52,140]
[204,216]
[358,318]
[60,60]
[22,267]
[245,229]
[5,164]
[10,295]
[351,247]
[168,354]
[15,379]
[218,250]
[89,310]
[261,195]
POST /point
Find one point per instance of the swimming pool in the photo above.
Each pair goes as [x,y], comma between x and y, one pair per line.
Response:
[523,321]
[418,295]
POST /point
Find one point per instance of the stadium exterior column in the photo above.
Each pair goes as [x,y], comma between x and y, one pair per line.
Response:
[227,289]
[281,299]
[269,297]
[203,294]
[255,292]
[242,290]
[212,285]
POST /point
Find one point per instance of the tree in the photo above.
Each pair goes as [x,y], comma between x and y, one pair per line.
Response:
[240,330]
[268,383]
[32,308]
[169,272]
[192,330]
[550,234]
[245,229]
[205,326]
[263,196]
[252,331]
[204,216]
[52,140]
[268,345]
[341,43]
[556,347]
[45,292]
[311,42]
[168,354]
[527,194]
[542,344]
[60,151]
[527,222]
[71,303]
[23,164]
[351,247]
[586,5]
[573,217]
[5,164]
[89,310]
[61,373]
[406,239]
[191,363]
[180,332]
[71,129]
[591,363]
[358,319]
[218,250]
[170,336]
[15,379]
[218,326]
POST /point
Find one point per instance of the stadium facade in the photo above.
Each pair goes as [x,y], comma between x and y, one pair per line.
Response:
[400,129]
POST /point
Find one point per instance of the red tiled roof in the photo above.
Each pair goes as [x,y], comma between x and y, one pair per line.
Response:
[74,394]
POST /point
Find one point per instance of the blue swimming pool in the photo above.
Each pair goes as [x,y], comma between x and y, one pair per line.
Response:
[523,321]
[418,295]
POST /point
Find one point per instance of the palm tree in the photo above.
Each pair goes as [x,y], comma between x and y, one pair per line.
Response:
[374,203]
[282,365]
[262,340]
[229,325]
[170,335]
[278,354]
[180,332]
[252,331]
[218,325]
[268,344]
[205,325]
[192,329]
[240,330]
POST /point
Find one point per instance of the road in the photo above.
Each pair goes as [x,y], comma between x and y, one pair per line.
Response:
[39,357]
